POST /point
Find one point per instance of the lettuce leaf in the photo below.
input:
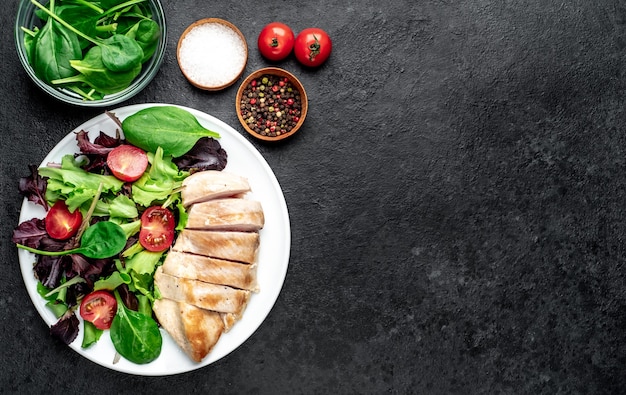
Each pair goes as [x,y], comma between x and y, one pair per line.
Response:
[75,185]
[159,182]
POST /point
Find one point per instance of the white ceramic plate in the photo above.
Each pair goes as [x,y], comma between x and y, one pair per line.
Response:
[273,260]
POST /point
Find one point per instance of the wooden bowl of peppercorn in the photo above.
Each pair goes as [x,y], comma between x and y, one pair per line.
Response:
[271,104]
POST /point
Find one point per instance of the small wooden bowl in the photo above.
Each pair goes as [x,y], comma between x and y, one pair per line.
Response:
[184,64]
[279,73]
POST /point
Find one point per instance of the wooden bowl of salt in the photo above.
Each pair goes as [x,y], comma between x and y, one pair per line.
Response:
[212,54]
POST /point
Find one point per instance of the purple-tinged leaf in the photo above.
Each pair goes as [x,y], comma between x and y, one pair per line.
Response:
[66,329]
[49,270]
[206,154]
[87,147]
[34,187]
[30,233]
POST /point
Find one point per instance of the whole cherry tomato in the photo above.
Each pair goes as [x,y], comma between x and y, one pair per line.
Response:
[312,47]
[276,41]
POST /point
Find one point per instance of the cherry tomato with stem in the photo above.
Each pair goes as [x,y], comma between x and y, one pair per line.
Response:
[275,41]
[60,223]
[312,47]
[127,162]
[157,229]
[99,308]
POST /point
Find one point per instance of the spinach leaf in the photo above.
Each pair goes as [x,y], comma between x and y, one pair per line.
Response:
[121,53]
[82,25]
[135,335]
[83,18]
[101,240]
[146,33]
[173,129]
[52,50]
[94,73]
[116,5]
[29,42]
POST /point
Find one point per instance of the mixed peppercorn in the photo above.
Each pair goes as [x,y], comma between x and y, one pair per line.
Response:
[271,105]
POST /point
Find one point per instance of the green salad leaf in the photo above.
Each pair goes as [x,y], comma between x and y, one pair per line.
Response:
[101,240]
[174,129]
[90,47]
[53,48]
[121,206]
[75,185]
[135,335]
[159,182]
[91,334]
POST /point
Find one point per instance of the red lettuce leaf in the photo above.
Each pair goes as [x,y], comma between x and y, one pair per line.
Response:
[206,154]
[34,187]
[49,270]
[102,145]
[66,329]
[30,233]
[97,151]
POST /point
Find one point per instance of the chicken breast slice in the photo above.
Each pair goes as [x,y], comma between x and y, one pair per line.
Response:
[211,270]
[232,246]
[226,214]
[229,319]
[195,330]
[219,298]
[212,184]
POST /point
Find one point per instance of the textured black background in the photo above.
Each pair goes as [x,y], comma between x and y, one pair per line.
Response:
[456,199]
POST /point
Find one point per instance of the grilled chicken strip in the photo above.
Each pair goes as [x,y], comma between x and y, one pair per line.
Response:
[219,298]
[195,330]
[211,270]
[212,184]
[232,246]
[226,214]
[229,319]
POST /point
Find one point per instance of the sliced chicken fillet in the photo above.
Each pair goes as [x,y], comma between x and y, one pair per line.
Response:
[219,298]
[212,184]
[226,214]
[232,246]
[211,270]
[195,330]
[229,319]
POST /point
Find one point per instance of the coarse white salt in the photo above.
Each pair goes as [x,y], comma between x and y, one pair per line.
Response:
[212,55]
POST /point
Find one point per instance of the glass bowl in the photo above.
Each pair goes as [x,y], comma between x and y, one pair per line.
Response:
[26,18]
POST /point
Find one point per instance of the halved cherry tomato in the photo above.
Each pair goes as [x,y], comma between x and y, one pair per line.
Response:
[312,47]
[61,224]
[99,308]
[127,162]
[275,41]
[157,229]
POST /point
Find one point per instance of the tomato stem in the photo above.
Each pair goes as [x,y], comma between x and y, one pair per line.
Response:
[314,48]
[274,42]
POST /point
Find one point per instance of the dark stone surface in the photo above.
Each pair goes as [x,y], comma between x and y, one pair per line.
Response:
[456,200]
